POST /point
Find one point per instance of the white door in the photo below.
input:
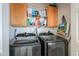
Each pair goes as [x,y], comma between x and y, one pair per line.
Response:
[75,29]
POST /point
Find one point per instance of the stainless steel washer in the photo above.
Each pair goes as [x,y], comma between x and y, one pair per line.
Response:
[26,46]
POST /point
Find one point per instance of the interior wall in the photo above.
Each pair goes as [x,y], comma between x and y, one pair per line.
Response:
[65,9]
[5,27]
[38,6]
[29,30]
[0,29]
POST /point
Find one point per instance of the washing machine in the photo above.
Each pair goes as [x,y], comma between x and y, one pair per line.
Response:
[25,46]
[52,45]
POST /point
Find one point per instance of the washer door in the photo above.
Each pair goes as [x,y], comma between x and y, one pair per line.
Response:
[36,50]
[19,51]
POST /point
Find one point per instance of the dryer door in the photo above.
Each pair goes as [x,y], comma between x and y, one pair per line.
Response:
[51,49]
[56,49]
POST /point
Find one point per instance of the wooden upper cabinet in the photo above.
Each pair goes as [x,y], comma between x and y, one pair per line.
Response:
[52,17]
[18,14]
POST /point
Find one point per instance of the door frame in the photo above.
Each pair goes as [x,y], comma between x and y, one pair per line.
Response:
[74,29]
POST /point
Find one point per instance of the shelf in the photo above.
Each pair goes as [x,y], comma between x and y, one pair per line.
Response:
[36,16]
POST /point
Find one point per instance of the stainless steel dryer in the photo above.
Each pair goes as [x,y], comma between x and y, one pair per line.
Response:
[53,45]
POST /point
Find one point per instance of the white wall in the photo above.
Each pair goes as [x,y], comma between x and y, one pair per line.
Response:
[5,27]
[29,30]
[65,9]
[0,29]
[38,6]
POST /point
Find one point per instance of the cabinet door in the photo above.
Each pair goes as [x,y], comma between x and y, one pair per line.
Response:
[52,16]
[18,14]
